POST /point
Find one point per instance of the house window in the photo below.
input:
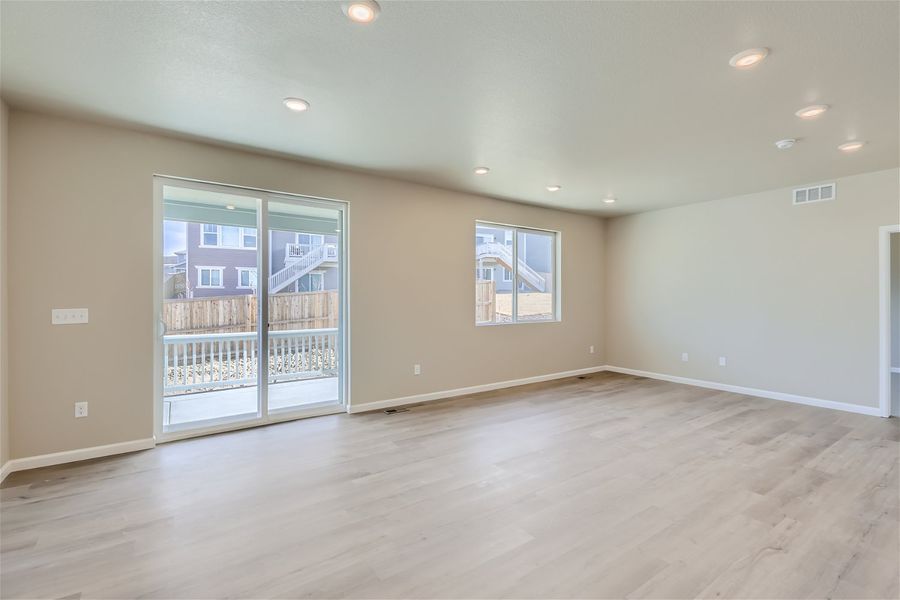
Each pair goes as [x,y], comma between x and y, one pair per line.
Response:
[228,236]
[248,237]
[246,277]
[210,277]
[210,234]
[312,282]
[310,239]
[528,257]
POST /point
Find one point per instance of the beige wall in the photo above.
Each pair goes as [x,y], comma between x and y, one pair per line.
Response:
[788,294]
[81,200]
[4,179]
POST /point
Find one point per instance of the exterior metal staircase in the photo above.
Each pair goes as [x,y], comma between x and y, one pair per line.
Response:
[503,255]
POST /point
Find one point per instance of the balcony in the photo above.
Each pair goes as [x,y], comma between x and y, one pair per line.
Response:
[213,376]
[294,252]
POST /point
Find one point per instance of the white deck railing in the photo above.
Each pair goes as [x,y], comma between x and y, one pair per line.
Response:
[502,254]
[204,362]
[296,251]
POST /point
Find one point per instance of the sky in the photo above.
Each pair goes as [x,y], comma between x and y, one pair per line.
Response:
[174,237]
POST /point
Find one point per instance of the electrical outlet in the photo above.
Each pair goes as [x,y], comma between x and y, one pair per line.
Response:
[684,357]
[68,316]
[81,409]
[417,369]
[723,361]
[590,349]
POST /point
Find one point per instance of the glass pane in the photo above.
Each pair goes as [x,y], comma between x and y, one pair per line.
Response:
[230,236]
[493,294]
[537,263]
[304,305]
[210,344]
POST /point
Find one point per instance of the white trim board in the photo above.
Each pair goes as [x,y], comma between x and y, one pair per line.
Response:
[873,411]
[69,456]
[466,391]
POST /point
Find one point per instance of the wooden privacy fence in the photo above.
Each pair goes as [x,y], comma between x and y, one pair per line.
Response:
[226,314]
[485,301]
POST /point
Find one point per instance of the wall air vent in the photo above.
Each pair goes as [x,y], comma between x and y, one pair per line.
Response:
[816,193]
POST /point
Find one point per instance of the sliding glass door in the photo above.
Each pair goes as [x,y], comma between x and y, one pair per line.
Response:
[230,260]
[304,305]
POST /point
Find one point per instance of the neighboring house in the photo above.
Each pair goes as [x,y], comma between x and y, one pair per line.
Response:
[493,250]
[221,261]
[174,263]
[174,275]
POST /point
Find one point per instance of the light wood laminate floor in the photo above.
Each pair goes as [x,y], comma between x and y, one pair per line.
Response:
[608,486]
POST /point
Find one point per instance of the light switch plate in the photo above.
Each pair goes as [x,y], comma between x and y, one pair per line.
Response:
[68,316]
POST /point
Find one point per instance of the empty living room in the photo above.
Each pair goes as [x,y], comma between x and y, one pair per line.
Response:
[396,299]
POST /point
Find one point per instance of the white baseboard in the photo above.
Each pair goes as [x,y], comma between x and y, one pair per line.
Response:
[466,391]
[737,389]
[58,458]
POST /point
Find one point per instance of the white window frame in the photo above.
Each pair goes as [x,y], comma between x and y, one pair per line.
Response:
[507,275]
[200,270]
[556,285]
[242,233]
[204,233]
[240,271]
[310,236]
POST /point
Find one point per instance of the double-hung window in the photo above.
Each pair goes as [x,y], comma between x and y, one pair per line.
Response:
[528,289]
[210,234]
[246,277]
[210,277]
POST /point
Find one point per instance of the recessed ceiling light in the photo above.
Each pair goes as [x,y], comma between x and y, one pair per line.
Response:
[609,200]
[361,11]
[229,206]
[482,170]
[554,188]
[811,112]
[785,144]
[748,58]
[851,146]
[296,104]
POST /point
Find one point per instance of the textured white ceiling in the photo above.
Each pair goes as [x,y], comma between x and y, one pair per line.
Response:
[634,99]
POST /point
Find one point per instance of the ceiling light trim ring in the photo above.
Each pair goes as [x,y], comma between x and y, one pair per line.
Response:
[749,58]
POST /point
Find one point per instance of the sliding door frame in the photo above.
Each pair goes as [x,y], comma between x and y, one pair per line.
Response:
[263,416]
